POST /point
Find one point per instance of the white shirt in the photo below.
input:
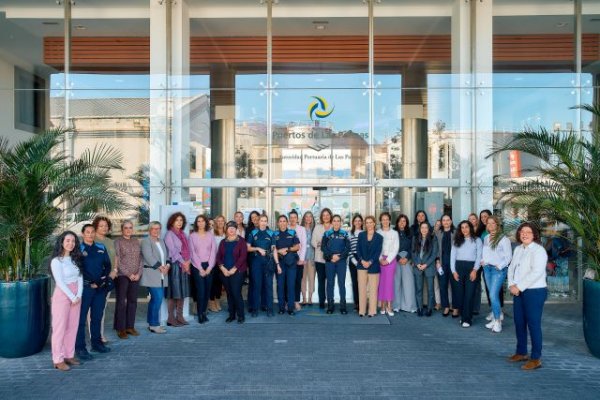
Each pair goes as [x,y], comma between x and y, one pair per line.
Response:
[528,267]
[163,261]
[317,237]
[470,250]
[500,256]
[391,244]
[65,272]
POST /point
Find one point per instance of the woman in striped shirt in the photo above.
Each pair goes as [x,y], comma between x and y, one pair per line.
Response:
[357,225]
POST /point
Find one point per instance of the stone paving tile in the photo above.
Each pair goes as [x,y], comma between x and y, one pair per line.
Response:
[320,358]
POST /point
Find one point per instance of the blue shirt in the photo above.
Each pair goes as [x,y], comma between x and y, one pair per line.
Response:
[96,264]
[262,239]
[335,242]
[285,239]
[228,260]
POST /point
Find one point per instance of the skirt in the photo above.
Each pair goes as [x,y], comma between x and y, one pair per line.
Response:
[179,283]
[386,282]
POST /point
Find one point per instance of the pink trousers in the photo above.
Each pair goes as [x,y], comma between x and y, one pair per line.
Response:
[65,321]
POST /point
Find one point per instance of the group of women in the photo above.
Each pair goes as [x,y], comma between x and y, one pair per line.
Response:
[401,267]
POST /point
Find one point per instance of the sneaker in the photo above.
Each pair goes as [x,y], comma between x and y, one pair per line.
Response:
[101,349]
[390,313]
[382,312]
[466,325]
[497,327]
[501,316]
[490,324]
[396,310]
[490,317]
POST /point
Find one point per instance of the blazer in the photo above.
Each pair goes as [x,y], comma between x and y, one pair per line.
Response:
[405,241]
[439,237]
[428,258]
[369,251]
[240,252]
[151,256]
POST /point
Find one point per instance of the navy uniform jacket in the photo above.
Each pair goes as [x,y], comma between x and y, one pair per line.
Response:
[369,251]
[335,242]
[285,239]
[263,239]
[96,264]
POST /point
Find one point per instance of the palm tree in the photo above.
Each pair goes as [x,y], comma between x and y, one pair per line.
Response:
[41,189]
[565,184]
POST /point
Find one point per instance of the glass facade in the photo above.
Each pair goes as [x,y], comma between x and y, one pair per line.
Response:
[360,106]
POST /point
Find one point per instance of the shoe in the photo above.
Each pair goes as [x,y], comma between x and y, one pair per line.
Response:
[390,313]
[241,320]
[230,319]
[343,311]
[321,305]
[455,314]
[396,310]
[218,304]
[83,355]
[438,307]
[291,312]
[157,329]
[465,325]
[532,364]
[132,332]
[173,323]
[101,349]
[518,358]
[330,307]
[446,312]
[62,366]
[298,307]
[428,312]
[122,335]
[254,314]
[201,319]
[382,312]
[281,312]
[497,327]
[490,317]
[490,324]
[104,340]
[501,316]
[362,315]
[182,321]
[205,317]
[72,361]
[419,312]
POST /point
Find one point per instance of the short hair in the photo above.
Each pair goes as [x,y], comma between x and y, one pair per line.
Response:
[173,218]
[336,216]
[125,222]
[100,218]
[152,224]
[85,226]
[293,212]
[383,214]
[372,218]
[534,229]
[323,211]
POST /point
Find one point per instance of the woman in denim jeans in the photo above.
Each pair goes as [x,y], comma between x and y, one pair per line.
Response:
[496,257]
[156,274]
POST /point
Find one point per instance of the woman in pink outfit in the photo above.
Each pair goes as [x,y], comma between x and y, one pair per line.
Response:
[66,300]
[387,260]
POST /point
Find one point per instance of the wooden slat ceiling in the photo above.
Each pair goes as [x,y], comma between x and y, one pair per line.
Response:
[133,53]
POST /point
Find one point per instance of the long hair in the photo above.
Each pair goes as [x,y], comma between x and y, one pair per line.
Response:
[58,250]
[216,230]
[498,235]
[452,227]
[250,226]
[406,227]
[303,223]
[481,225]
[354,218]
[199,217]
[459,238]
[428,240]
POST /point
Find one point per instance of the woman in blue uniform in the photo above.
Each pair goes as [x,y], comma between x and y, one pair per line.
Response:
[336,247]
[262,245]
[287,245]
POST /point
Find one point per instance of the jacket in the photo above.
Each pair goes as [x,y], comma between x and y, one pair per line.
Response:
[150,257]
[369,251]
[240,252]
[335,242]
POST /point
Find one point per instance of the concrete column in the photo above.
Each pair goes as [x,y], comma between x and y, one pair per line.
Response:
[159,177]
[483,132]
[461,126]
[180,99]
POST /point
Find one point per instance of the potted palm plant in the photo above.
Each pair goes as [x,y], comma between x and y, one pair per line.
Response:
[42,190]
[565,187]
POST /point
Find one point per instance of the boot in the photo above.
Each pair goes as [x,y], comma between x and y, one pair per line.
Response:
[211,306]
[330,307]
[171,320]
[180,318]
[218,304]
[343,308]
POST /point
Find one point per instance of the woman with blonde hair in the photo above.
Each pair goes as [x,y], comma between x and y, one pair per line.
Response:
[308,274]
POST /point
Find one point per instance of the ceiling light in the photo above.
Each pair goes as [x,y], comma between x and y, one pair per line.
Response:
[320,25]
[562,24]
[80,27]
[49,23]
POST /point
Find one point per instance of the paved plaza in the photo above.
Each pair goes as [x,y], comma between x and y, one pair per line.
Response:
[317,356]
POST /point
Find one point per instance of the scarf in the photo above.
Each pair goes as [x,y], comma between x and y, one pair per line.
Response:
[185,249]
